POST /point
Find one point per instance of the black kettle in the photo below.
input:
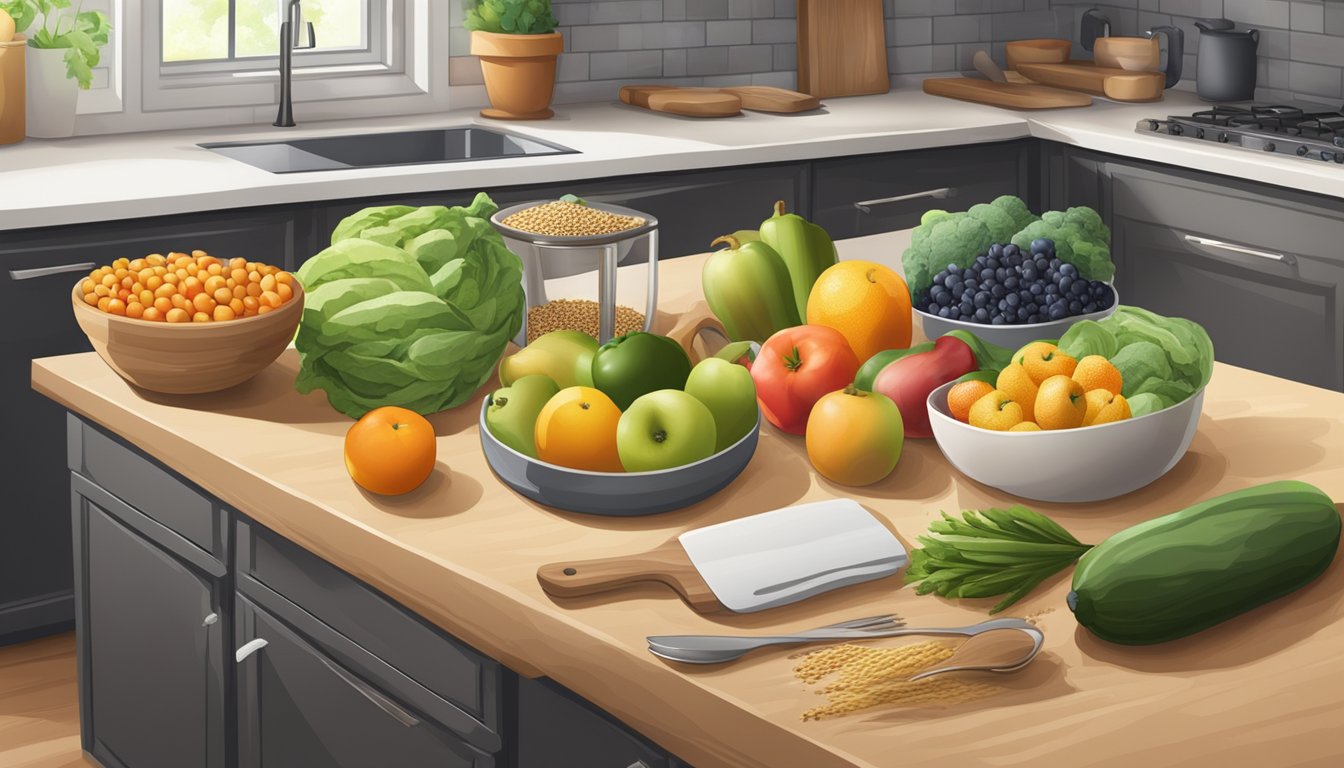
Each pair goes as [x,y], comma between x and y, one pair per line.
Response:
[1227,61]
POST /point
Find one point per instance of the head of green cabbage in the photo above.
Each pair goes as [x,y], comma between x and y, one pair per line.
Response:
[409,307]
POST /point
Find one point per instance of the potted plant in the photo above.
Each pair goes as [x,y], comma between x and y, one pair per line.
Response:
[65,49]
[517,44]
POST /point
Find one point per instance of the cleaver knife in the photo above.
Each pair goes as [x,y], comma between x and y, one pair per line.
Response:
[752,563]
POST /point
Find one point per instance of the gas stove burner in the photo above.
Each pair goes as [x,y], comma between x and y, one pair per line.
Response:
[1310,133]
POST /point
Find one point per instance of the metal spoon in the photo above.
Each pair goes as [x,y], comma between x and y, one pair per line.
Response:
[999,651]
[716,649]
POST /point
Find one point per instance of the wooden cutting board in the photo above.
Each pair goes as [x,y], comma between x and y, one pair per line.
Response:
[1010,95]
[668,564]
[842,48]
[687,102]
[767,98]
[1117,84]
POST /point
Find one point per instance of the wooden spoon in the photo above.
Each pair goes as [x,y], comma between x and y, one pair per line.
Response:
[1001,650]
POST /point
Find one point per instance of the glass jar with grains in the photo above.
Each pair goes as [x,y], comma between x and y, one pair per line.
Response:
[571,250]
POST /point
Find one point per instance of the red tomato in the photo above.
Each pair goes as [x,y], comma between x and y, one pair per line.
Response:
[795,368]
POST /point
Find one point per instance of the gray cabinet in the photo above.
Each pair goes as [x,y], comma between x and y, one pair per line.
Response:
[1261,270]
[298,706]
[38,271]
[868,195]
[151,628]
[558,730]
[693,208]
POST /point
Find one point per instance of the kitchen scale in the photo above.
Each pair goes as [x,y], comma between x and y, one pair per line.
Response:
[550,257]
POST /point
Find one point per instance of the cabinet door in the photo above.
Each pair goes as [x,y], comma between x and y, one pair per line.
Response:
[151,656]
[299,707]
[868,195]
[692,207]
[556,730]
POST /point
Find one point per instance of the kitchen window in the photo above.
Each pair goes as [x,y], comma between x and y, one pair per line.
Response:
[221,55]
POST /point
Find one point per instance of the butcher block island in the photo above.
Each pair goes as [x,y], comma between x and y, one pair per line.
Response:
[283,530]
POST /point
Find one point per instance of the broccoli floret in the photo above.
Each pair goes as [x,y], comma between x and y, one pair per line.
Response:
[1016,208]
[955,238]
[1081,238]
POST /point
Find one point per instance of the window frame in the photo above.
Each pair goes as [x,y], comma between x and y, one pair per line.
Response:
[386,68]
[374,50]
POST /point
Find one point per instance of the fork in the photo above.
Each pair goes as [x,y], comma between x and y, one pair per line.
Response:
[715,649]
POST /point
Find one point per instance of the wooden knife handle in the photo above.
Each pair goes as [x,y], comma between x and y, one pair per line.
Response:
[668,564]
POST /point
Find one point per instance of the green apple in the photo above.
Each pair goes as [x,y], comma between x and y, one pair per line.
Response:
[565,356]
[664,429]
[512,415]
[729,393]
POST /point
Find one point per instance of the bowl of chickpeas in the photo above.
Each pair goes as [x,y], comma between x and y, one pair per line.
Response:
[187,323]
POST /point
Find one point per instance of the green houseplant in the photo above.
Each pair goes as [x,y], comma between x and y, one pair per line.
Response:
[518,46]
[66,46]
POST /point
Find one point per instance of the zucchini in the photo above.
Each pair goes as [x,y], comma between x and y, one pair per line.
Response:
[1181,573]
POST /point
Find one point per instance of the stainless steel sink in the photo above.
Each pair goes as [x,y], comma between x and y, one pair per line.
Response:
[373,150]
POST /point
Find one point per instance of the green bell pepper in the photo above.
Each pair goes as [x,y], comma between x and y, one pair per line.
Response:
[633,365]
[747,288]
[806,249]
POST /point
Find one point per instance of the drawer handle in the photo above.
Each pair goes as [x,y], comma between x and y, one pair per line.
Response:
[379,700]
[251,647]
[29,274]
[1282,258]
[940,194]
[210,620]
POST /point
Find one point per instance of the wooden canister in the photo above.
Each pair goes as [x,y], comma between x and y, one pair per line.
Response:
[12,90]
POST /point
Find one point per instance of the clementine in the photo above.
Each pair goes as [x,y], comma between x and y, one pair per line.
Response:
[961,397]
[577,429]
[390,450]
[869,305]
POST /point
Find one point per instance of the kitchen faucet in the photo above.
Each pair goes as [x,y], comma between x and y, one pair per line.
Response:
[289,42]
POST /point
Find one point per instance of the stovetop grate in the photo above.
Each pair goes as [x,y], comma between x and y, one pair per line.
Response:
[1312,134]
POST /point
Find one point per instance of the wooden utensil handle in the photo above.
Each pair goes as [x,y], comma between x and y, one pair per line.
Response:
[697,321]
[667,564]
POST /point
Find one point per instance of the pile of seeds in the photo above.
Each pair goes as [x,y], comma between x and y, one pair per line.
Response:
[565,219]
[577,315]
[869,677]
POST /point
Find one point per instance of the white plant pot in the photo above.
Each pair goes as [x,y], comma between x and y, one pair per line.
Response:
[51,95]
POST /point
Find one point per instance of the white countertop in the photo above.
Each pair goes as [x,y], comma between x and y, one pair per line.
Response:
[102,178]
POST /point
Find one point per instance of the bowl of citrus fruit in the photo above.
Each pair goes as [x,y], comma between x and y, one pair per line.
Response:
[1052,427]
[187,323]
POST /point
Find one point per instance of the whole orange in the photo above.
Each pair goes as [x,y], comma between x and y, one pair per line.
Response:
[1060,403]
[1096,372]
[961,397]
[867,303]
[577,429]
[390,450]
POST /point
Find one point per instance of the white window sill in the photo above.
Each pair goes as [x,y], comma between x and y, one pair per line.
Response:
[342,69]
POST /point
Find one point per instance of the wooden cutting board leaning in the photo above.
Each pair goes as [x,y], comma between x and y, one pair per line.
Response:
[842,48]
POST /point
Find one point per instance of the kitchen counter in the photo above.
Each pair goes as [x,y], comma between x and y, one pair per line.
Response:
[462,551]
[101,178]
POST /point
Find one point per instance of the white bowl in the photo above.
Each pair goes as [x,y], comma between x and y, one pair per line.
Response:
[1068,465]
[1013,337]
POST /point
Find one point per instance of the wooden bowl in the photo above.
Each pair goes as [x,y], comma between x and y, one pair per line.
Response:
[188,358]
[1042,51]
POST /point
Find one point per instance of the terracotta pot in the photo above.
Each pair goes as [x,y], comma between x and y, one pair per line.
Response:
[12,89]
[519,72]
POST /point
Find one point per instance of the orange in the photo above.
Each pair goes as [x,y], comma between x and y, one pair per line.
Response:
[996,411]
[1096,372]
[1043,360]
[1104,407]
[961,397]
[867,303]
[577,429]
[390,450]
[1060,403]
[1026,426]
[1014,382]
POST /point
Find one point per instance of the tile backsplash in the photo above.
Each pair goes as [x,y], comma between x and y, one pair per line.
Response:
[732,42]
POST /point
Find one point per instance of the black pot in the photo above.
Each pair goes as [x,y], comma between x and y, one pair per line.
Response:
[1227,61]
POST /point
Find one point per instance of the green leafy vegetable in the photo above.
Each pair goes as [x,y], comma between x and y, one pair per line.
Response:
[944,238]
[990,357]
[82,33]
[409,306]
[1081,238]
[990,553]
[515,17]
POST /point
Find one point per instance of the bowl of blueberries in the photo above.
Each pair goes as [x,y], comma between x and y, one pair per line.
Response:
[1011,298]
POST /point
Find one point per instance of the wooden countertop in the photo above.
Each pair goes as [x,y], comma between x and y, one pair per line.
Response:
[1264,689]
